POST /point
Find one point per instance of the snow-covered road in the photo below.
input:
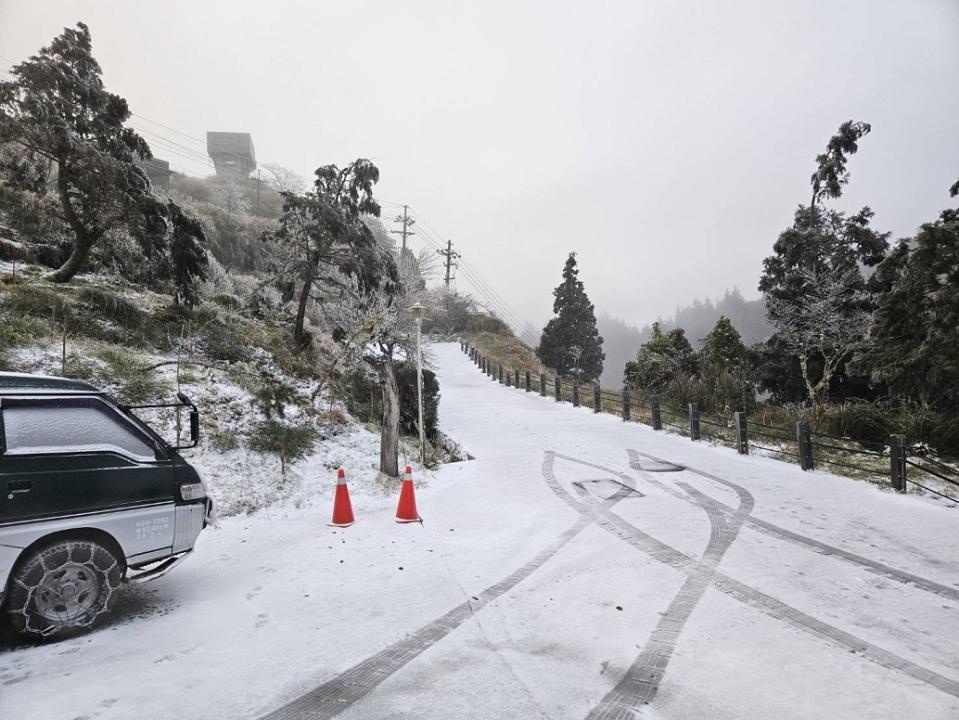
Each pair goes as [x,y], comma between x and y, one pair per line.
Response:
[579,567]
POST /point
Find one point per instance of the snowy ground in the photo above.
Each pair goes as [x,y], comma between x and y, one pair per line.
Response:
[556,576]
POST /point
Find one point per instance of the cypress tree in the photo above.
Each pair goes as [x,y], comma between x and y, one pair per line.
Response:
[570,342]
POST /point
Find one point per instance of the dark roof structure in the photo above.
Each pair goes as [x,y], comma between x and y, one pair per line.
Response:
[232,153]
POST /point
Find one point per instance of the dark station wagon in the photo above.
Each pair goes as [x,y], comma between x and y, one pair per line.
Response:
[90,497]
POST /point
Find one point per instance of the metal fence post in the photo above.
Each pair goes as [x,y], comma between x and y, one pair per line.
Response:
[693,421]
[542,384]
[559,389]
[575,394]
[528,385]
[516,377]
[654,411]
[897,462]
[804,440]
[742,433]
[626,406]
[597,398]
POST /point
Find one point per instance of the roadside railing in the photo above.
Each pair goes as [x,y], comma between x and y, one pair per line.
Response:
[897,462]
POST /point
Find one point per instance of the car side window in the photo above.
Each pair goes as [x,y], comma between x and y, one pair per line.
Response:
[49,428]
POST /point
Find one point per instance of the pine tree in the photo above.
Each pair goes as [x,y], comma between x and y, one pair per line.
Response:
[570,342]
[726,372]
[915,341]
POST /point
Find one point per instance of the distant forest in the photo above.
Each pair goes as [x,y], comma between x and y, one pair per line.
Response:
[621,341]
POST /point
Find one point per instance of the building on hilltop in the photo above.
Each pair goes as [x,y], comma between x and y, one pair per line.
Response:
[232,153]
[157,170]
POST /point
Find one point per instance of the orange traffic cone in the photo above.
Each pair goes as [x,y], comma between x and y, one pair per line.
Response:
[406,510]
[342,509]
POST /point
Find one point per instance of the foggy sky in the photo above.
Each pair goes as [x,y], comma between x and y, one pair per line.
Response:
[667,143]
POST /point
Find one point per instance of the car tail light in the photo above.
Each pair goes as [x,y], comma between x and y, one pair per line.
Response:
[192,491]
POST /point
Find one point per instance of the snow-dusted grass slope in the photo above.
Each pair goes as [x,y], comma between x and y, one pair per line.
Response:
[276,604]
[240,480]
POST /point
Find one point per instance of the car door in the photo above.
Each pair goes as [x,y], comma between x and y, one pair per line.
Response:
[79,456]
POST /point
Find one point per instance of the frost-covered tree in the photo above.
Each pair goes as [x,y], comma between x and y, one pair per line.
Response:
[322,246]
[62,129]
[661,360]
[375,333]
[573,327]
[822,246]
[828,321]
[915,346]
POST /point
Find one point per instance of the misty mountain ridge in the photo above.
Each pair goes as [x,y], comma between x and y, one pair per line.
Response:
[621,340]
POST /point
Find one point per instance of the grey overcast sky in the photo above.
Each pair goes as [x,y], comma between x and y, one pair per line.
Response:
[667,143]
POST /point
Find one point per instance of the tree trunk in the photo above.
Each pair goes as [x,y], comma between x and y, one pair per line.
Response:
[73,263]
[84,240]
[390,431]
[299,340]
[804,367]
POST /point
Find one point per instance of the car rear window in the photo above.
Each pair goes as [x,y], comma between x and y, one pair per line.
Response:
[32,429]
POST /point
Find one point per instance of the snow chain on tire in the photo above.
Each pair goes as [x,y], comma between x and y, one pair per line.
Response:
[65,565]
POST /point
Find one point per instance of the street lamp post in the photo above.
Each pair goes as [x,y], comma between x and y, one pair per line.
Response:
[418,311]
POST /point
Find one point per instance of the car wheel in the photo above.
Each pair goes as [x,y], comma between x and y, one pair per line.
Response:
[63,586]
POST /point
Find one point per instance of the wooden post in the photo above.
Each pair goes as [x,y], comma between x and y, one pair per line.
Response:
[542,384]
[516,378]
[897,462]
[693,421]
[742,433]
[597,398]
[528,385]
[626,407]
[804,441]
[575,394]
[508,376]
[654,411]
[501,373]
[559,389]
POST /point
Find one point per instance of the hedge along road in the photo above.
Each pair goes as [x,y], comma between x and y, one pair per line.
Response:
[733,606]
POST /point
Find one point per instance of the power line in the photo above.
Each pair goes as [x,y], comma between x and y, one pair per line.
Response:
[483,288]
[480,283]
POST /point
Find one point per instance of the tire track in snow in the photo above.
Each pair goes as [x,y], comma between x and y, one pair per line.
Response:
[339,693]
[638,686]
[756,599]
[822,548]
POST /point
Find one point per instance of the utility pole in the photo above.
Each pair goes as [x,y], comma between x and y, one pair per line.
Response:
[404,230]
[450,256]
[408,222]
[258,191]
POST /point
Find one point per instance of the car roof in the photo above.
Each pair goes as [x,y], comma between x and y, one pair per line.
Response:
[23,382]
